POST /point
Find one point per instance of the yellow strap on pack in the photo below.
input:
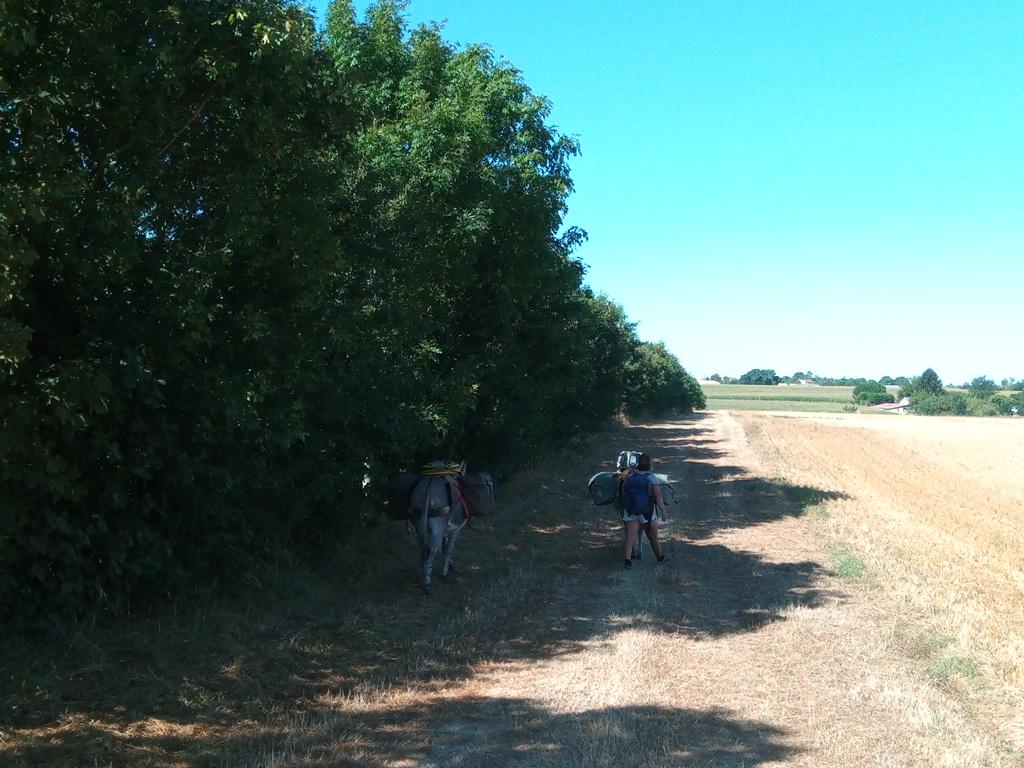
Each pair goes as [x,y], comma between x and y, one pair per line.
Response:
[449,469]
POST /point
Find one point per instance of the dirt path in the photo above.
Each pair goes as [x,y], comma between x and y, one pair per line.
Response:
[743,650]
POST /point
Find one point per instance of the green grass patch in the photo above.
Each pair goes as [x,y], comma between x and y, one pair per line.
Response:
[849,565]
[752,392]
[820,511]
[743,397]
[962,666]
[784,398]
[809,406]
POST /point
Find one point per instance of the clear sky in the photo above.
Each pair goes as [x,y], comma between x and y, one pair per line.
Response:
[824,186]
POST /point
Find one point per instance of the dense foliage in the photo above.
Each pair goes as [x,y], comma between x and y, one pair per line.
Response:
[930,404]
[761,376]
[1008,405]
[248,269]
[872,393]
[658,384]
[981,398]
[982,387]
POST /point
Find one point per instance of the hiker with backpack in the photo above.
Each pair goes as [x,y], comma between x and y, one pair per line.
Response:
[642,500]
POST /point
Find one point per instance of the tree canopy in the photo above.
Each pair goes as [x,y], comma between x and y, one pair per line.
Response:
[982,387]
[872,393]
[247,270]
[928,382]
[760,376]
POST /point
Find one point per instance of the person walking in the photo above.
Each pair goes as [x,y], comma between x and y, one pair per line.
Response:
[643,505]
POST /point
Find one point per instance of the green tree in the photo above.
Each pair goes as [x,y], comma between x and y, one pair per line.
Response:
[982,387]
[929,382]
[472,304]
[760,376]
[930,404]
[871,393]
[247,270]
[659,385]
[162,210]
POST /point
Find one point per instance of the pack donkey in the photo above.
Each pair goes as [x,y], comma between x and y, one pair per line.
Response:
[438,512]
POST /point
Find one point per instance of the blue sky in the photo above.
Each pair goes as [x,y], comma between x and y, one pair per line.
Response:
[835,187]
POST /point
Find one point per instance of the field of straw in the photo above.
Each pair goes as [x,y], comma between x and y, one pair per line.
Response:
[932,513]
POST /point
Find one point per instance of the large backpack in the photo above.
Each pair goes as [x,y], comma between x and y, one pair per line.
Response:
[603,488]
[636,495]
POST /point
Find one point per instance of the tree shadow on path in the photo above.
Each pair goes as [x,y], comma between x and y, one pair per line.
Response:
[487,732]
[553,599]
[716,494]
[710,589]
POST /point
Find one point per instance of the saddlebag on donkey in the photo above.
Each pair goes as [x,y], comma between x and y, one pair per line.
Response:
[478,492]
[400,495]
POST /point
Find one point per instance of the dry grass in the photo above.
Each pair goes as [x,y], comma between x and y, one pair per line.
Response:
[743,650]
[256,679]
[935,509]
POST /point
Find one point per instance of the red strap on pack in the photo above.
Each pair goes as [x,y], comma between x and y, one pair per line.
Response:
[462,498]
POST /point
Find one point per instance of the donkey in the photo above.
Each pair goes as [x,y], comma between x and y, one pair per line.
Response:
[438,512]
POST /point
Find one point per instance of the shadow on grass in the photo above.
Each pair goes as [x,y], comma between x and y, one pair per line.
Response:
[477,732]
[716,495]
[533,583]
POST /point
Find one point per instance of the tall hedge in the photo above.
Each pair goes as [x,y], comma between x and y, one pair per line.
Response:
[248,269]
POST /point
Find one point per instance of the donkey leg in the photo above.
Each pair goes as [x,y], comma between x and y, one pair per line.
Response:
[449,551]
[435,532]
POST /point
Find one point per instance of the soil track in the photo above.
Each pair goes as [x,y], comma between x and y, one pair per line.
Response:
[743,650]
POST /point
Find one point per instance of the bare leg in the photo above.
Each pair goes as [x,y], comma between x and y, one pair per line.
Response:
[652,535]
[632,531]
[635,554]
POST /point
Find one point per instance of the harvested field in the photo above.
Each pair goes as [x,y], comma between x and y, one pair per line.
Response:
[934,508]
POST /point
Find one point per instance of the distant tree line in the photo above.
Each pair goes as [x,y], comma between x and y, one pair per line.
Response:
[768,377]
[248,269]
[982,398]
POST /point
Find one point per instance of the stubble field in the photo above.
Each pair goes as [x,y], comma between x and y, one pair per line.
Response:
[931,512]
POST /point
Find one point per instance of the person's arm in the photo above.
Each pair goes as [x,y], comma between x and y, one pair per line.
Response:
[659,502]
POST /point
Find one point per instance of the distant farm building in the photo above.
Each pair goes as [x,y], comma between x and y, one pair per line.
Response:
[901,407]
